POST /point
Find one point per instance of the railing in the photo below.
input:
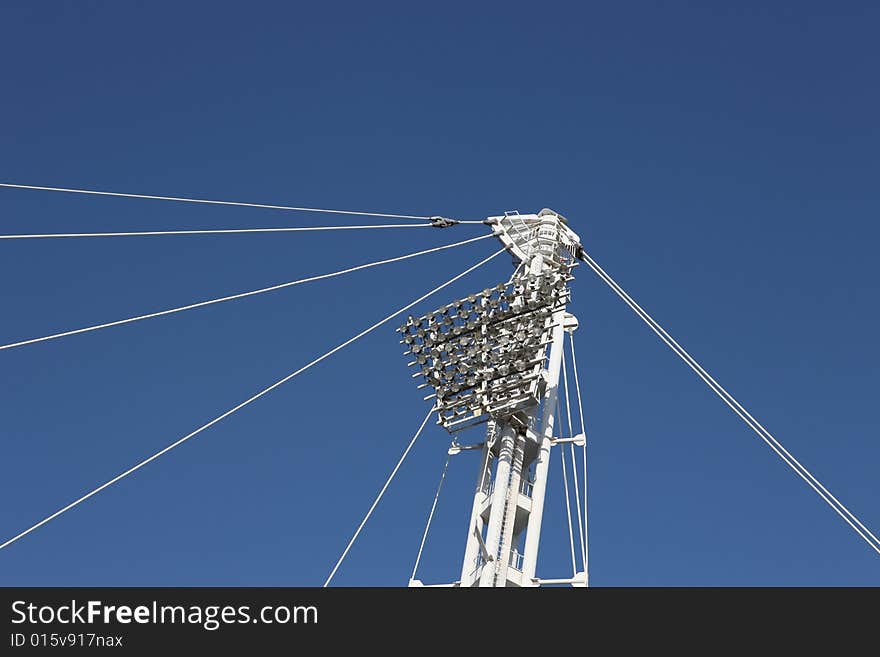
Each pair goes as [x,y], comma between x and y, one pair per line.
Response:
[480,562]
[516,560]
[526,487]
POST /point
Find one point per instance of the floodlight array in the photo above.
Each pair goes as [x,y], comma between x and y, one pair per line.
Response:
[483,355]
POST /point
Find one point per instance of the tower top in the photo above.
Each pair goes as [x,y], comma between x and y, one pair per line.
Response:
[546,233]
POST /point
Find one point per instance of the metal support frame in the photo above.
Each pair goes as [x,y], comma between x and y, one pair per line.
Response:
[511,513]
[499,502]
[542,466]
[469,378]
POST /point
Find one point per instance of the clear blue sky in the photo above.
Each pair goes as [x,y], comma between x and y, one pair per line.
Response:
[721,162]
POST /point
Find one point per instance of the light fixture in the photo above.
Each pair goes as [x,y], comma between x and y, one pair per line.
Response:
[483,354]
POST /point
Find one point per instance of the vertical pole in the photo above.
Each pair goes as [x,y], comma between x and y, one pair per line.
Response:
[511,502]
[472,547]
[548,420]
[499,500]
[548,241]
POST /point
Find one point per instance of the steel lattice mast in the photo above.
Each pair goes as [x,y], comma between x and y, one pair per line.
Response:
[495,357]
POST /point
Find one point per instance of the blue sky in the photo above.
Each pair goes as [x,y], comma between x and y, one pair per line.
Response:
[720,162]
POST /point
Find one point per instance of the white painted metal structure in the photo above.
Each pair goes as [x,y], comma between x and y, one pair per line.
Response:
[473,385]
[509,506]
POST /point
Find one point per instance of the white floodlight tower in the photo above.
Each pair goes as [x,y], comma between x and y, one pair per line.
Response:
[495,357]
